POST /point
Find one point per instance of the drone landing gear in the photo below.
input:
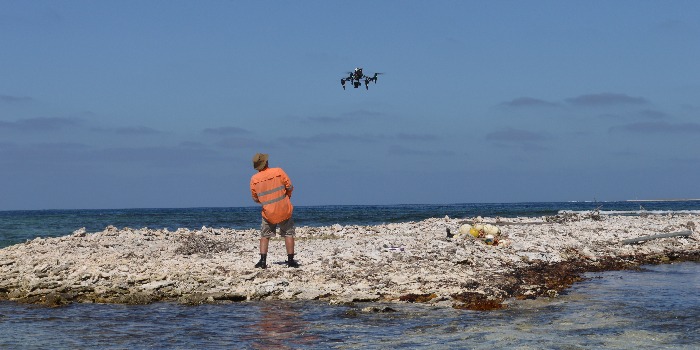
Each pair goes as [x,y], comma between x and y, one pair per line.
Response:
[342,82]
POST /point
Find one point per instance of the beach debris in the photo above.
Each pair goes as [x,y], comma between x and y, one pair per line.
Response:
[568,216]
[491,230]
[663,235]
[465,229]
[200,244]
[474,232]
[487,232]
[690,225]
[504,242]
[394,249]
[563,218]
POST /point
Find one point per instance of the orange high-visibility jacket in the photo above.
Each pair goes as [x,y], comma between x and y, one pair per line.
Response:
[273,189]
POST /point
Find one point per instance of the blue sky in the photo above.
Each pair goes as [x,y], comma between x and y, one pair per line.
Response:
[130,104]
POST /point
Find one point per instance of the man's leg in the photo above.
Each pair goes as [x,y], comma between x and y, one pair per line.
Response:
[262,263]
[289,244]
[287,230]
[266,231]
[264,243]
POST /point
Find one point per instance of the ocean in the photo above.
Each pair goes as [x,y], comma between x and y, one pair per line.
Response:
[654,307]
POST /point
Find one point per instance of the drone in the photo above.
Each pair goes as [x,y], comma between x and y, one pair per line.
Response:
[355,78]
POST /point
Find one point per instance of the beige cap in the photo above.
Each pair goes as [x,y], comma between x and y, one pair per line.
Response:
[260,161]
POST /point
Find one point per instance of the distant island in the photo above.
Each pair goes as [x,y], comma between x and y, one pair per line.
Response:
[663,200]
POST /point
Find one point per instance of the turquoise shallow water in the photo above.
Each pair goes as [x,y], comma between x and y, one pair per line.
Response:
[657,307]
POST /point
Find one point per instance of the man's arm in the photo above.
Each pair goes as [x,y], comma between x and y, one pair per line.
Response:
[253,193]
[287,184]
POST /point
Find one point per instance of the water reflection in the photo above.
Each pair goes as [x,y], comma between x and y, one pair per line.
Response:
[654,308]
[280,325]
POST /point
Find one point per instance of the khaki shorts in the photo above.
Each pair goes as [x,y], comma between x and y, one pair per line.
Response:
[267,229]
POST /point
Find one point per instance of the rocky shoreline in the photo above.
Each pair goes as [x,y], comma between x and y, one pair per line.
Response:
[398,262]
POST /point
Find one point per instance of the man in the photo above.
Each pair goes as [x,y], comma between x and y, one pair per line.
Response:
[272,188]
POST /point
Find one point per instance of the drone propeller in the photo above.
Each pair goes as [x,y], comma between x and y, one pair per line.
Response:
[374,78]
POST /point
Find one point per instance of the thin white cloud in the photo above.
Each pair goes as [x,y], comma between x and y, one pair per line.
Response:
[653,114]
[626,153]
[326,120]
[40,124]
[243,142]
[670,24]
[159,156]
[406,151]
[658,128]
[528,102]
[417,137]
[44,153]
[129,130]
[15,99]
[136,130]
[345,118]
[82,155]
[192,144]
[363,113]
[524,139]
[610,116]
[606,99]
[330,138]
[685,160]
[226,131]
[516,135]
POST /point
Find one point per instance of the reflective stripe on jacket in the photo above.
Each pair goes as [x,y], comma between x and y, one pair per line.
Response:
[273,189]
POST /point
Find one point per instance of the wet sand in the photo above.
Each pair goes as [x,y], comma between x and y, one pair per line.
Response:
[401,262]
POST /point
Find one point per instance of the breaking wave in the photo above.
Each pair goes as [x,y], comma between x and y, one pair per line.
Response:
[631,212]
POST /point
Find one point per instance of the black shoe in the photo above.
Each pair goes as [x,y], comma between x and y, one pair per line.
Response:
[292,263]
[260,265]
